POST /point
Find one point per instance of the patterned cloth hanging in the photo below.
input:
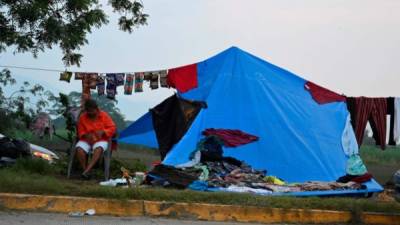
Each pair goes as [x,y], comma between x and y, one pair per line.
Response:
[79,76]
[101,85]
[87,84]
[139,77]
[163,78]
[111,87]
[66,76]
[119,79]
[129,84]
[92,80]
[154,80]
[147,76]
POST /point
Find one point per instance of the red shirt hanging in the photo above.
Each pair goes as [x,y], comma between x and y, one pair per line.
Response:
[323,95]
[183,78]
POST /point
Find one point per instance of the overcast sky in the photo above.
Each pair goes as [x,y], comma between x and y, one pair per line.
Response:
[349,46]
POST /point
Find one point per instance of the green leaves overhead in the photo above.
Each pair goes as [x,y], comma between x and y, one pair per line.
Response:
[34,25]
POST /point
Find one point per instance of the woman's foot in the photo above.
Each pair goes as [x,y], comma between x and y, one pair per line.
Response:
[85,176]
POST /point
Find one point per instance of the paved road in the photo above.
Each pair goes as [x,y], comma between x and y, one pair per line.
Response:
[25,218]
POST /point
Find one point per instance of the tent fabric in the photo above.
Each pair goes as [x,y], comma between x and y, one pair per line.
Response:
[171,119]
[183,78]
[299,139]
[297,142]
[141,132]
[323,95]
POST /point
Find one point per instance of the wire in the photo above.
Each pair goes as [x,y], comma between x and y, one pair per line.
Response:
[60,71]
[31,68]
[48,70]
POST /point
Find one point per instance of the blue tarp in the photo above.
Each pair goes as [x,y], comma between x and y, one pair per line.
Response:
[140,132]
[299,140]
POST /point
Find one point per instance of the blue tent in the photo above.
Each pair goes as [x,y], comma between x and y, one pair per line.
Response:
[299,139]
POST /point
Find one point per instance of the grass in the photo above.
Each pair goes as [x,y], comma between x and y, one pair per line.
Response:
[38,177]
[373,155]
[381,164]
[43,184]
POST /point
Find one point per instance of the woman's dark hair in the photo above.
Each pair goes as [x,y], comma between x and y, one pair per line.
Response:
[90,104]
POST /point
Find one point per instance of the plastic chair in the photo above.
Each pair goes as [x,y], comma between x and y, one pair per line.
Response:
[106,158]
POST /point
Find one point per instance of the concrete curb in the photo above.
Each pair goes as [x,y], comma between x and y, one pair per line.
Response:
[66,204]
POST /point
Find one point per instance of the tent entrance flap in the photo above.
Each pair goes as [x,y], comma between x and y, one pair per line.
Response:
[171,120]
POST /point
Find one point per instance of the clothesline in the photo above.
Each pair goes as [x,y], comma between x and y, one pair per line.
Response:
[57,70]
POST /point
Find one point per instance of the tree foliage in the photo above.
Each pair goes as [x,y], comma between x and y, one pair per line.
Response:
[18,108]
[105,104]
[34,25]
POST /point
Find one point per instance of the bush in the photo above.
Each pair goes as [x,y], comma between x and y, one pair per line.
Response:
[35,165]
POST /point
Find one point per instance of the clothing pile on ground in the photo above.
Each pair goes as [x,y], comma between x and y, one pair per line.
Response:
[209,170]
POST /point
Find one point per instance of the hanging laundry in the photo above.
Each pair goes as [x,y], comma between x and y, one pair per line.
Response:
[349,141]
[66,76]
[372,110]
[390,111]
[101,85]
[129,84]
[90,79]
[111,87]
[85,94]
[231,138]
[154,80]
[119,79]
[322,95]
[396,127]
[183,78]
[139,77]
[351,107]
[79,76]
[147,76]
[163,78]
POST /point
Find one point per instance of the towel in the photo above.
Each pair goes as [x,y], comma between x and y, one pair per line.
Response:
[128,84]
[66,76]
[100,85]
[139,77]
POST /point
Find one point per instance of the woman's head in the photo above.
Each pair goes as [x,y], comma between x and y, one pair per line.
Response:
[91,108]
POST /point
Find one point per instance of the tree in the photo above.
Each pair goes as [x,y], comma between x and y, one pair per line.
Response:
[34,25]
[18,108]
[74,99]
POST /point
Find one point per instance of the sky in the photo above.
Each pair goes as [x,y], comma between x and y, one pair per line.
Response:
[348,46]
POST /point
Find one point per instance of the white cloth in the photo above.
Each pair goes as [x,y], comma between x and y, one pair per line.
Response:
[234,188]
[191,163]
[115,182]
[88,148]
[349,141]
[396,128]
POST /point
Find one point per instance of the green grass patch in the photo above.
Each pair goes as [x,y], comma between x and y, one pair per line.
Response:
[37,177]
[373,155]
